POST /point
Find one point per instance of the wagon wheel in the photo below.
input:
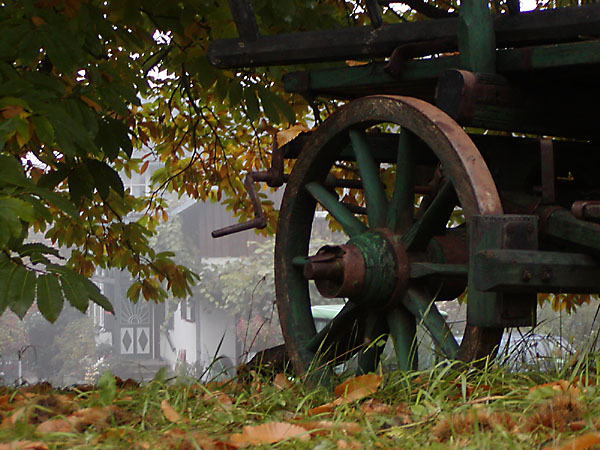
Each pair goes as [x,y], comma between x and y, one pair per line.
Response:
[396,261]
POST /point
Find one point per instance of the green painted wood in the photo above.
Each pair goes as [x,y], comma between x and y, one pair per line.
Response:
[535,271]
[400,213]
[433,221]
[476,38]
[403,327]
[374,342]
[561,225]
[423,269]
[299,261]
[500,309]
[351,225]
[423,308]
[373,187]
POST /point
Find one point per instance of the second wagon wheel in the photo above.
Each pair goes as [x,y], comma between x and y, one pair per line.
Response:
[397,259]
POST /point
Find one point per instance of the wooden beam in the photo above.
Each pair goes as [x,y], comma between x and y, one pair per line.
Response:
[535,27]
[244,19]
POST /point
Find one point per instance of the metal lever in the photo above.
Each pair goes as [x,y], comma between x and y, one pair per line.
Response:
[259,221]
[274,177]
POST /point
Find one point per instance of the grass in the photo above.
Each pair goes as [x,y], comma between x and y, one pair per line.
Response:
[449,406]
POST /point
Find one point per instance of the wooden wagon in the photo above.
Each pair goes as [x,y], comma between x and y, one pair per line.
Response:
[490,115]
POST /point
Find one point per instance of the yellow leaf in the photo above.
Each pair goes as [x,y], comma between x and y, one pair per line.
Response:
[285,136]
[170,414]
[267,433]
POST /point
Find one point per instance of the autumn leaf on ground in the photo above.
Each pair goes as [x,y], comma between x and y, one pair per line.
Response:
[374,406]
[582,442]
[343,443]
[285,136]
[281,382]
[558,386]
[267,433]
[170,414]
[24,445]
[319,427]
[349,391]
[220,398]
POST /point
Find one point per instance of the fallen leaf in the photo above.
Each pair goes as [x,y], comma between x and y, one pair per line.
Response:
[582,442]
[559,386]
[281,382]
[349,391]
[267,433]
[374,406]
[319,427]
[285,136]
[59,425]
[489,398]
[358,387]
[221,398]
[170,414]
[24,445]
[342,443]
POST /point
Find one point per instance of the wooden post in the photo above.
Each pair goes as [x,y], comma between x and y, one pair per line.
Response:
[476,37]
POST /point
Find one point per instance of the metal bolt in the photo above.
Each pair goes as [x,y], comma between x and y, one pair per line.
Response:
[547,275]
[526,275]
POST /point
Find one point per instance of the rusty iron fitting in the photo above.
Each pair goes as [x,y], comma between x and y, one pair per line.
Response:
[337,270]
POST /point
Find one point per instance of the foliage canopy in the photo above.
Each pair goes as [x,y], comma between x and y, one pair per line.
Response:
[93,89]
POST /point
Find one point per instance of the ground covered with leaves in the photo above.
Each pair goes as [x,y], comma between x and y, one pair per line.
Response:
[449,406]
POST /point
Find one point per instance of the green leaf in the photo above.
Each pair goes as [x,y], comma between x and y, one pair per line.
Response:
[49,297]
[112,137]
[268,106]
[74,290]
[21,291]
[51,179]
[199,67]
[251,104]
[105,177]
[22,209]
[11,172]
[6,268]
[94,293]
[285,108]
[7,127]
[235,94]
[107,388]
[43,129]
[80,184]
[57,200]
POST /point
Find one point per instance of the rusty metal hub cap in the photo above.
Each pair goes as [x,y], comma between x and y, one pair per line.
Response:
[371,269]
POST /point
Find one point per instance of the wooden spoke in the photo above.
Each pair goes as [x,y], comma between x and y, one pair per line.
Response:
[400,213]
[372,185]
[373,343]
[433,221]
[351,225]
[402,325]
[423,308]
[346,320]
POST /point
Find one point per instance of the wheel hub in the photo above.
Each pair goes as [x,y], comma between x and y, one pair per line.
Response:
[371,268]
